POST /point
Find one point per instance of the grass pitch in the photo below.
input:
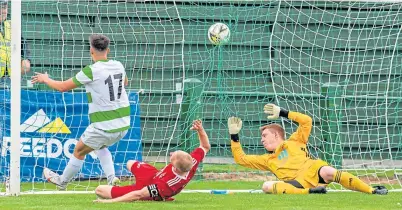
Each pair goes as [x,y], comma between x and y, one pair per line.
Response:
[189,201]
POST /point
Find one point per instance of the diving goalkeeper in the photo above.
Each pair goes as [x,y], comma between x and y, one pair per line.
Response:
[290,160]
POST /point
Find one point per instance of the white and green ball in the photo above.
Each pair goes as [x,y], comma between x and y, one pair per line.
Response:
[219,34]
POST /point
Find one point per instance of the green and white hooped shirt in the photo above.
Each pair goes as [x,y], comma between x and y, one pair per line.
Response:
[109,108]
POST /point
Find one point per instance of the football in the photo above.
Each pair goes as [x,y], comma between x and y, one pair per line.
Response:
[219,34]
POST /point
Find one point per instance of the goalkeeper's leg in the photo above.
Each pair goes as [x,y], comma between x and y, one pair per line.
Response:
[280,187]
[347,180]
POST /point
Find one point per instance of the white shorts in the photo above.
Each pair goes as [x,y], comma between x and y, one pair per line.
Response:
[96,139]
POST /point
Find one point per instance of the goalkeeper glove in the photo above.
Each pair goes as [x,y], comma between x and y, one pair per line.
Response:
[234,125]
[275,111]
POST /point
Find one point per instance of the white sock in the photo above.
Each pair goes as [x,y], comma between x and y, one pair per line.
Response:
[106,161]
[73,167]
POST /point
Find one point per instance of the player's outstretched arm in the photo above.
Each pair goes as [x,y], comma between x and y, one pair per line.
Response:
[249,161]
[305,122]
[202,135]
[129,197]
[61,86]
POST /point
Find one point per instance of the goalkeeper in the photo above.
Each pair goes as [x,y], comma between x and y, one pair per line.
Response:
[290,160]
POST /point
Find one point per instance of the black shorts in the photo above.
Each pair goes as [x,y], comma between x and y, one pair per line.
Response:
[294,183]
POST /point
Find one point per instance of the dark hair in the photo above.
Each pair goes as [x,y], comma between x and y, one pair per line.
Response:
[99,42]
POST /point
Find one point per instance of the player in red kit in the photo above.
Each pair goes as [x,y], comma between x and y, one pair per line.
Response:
[159,185]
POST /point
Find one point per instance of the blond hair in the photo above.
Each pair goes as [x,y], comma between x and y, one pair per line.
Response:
[184,161]
[274,128]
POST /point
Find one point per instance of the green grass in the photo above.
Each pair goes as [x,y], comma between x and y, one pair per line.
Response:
[211,168]
[183,201]
[333,200]
[193,185]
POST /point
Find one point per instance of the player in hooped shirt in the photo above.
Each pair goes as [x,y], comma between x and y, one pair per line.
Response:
[159,185]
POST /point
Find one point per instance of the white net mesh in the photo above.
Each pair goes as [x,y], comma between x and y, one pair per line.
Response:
[336,61]
[146,38]
[339,63]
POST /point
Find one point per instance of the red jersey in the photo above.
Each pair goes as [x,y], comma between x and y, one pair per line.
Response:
[169,183]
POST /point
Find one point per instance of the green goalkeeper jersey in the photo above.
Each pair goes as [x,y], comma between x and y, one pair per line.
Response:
[109,107]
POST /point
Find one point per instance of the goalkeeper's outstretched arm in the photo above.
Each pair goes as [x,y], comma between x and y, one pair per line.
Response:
[249,161]
[305,122]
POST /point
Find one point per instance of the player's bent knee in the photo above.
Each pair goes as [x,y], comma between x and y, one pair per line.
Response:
[327,173]
[267,186]
[104,191]
[98,191]
[130,164]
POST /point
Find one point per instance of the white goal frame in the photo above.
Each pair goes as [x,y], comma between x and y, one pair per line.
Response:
[13,183]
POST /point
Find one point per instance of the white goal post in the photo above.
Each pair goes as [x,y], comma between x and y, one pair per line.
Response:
[14,182]
[285,52]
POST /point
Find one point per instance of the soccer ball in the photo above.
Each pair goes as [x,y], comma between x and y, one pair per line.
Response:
[219,34]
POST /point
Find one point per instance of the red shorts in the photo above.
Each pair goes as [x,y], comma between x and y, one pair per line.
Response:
[143,173]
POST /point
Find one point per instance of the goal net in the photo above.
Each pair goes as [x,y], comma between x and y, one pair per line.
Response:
[339,63]
[333,60]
